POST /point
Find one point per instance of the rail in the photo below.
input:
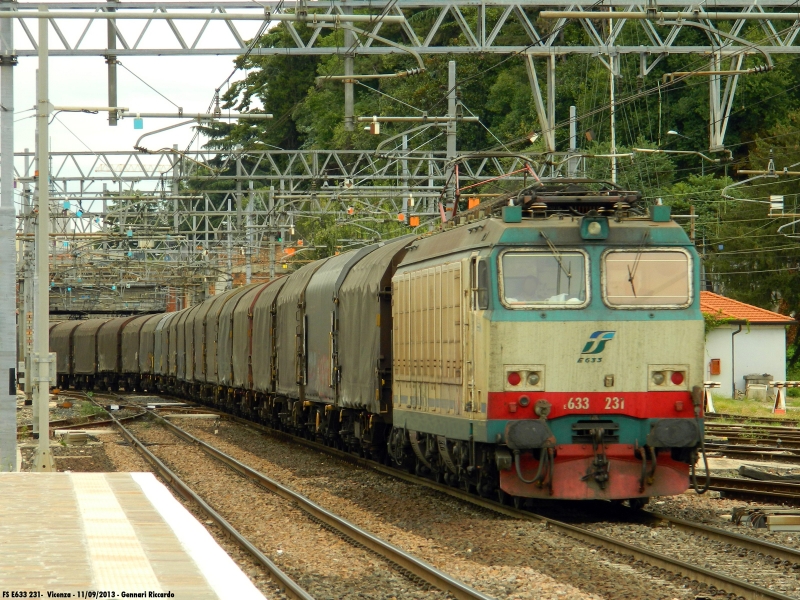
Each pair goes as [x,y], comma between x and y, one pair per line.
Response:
[392,553]
[287,585]
[697,573]
[700,574]
[773,490]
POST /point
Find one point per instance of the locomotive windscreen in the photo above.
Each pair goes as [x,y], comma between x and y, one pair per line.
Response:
[647,278]
[531,278]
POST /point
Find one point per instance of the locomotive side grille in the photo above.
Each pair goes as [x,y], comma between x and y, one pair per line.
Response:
[582,431]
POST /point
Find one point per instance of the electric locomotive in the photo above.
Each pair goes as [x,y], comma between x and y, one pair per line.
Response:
[548,344]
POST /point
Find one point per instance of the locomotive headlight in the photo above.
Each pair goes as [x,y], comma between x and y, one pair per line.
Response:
[594,228]
[667,376]
[533,379]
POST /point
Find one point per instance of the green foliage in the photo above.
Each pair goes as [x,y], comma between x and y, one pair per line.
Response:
[89,409]
[713,321]
[744,256]
[330,235]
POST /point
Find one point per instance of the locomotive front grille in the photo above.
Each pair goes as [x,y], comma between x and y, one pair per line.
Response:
[582,431]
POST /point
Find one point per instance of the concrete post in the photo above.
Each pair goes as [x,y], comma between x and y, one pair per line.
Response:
[272,232]
[349,92]
[248,251]
[451,129]
[111,61]
[572,164]
[230,247]
[26,323]
[41,317]
[8,226]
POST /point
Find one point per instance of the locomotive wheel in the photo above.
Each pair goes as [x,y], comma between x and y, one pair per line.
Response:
[503,498]
[638,503]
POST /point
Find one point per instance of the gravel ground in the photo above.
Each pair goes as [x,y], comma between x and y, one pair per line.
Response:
[716,556]
[317,559]
[502,557]
[25,413]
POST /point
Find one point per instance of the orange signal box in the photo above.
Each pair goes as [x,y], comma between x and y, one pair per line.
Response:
[413,221]
[473,202]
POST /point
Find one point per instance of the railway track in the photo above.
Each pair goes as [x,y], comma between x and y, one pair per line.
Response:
[755,453]
[81,423]
[710,578]
[777,421]
[762,490]
[754,442]
[409,566]
[755,435]
[286,585]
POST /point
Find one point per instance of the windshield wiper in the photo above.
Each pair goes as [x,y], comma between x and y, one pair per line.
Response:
[557,256]
[632,272]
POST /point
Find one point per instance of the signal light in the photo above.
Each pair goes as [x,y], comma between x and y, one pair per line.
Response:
[514,378]
[658,377]
[677,377]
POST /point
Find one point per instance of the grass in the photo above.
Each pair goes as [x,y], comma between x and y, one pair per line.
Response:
[89,410]
[756,408]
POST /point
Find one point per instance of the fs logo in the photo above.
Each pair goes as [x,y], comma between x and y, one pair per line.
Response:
[597,342]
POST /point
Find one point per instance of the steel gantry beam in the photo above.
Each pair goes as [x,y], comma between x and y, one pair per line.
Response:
[122,221]
[84,172]
[137,33]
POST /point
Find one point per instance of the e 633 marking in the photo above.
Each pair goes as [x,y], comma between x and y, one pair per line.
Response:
[582,403]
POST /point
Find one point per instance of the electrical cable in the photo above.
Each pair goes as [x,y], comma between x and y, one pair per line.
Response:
[148,85]
[99,157]
[641,94]
[377,91]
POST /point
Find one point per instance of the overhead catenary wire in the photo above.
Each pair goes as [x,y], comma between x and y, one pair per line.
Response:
[148,85]
[641,94]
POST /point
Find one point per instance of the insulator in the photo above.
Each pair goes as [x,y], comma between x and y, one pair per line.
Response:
[538,207]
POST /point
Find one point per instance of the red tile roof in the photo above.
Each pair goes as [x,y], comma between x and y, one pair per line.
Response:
[715,304]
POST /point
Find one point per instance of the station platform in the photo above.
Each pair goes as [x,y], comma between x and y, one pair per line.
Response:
[108,535]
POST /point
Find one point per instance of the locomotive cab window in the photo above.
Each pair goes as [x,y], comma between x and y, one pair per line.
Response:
[647,278]
[544,279]
[480,284]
